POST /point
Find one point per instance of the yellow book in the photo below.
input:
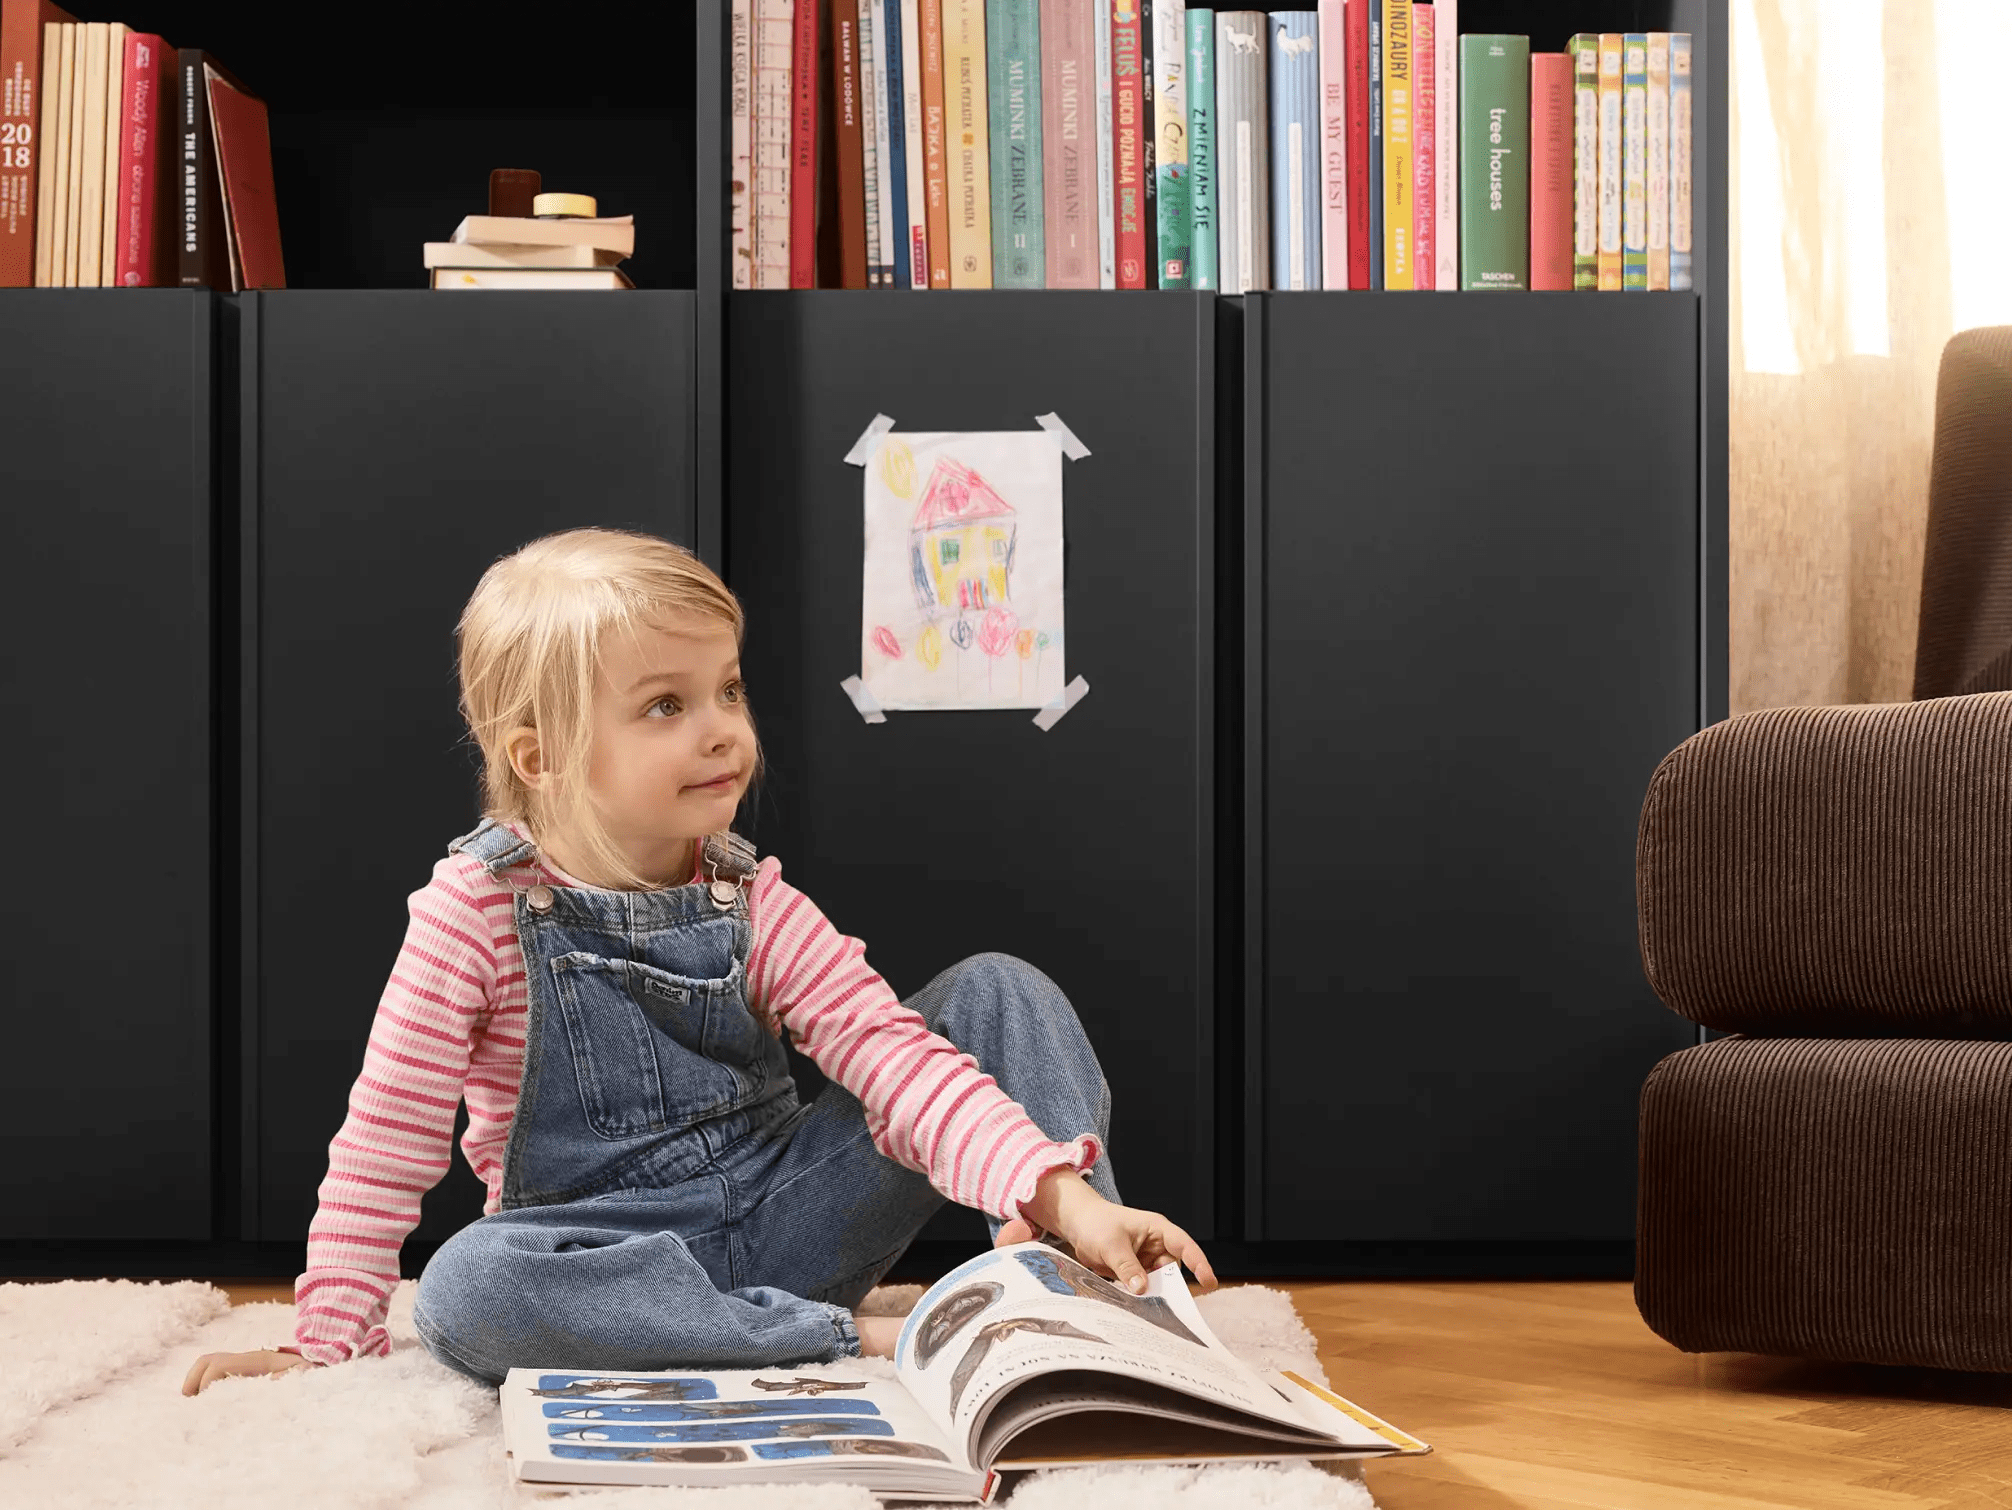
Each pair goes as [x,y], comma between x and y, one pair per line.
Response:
[91,162]
[69,108]
[115,101]
[969,143]
[1610,161]
[1398,151]
[45,141]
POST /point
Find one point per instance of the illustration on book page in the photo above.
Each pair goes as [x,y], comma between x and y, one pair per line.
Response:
[962,606]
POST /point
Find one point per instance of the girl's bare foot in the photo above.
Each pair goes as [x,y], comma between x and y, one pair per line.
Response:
[878,1334]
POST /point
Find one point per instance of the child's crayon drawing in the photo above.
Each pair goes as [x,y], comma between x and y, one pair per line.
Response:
[849,1447]
[720,1431]
[962,601]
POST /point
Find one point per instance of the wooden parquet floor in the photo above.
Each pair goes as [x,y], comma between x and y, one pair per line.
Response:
[1540,1396]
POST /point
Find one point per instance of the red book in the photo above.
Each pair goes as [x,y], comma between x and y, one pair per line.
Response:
[1550,170]
[149,89]
[1424,156]
[935,146]
[847,145]
[21,23]
[244,158]
[1128,98]
[803,147]
[1357,24]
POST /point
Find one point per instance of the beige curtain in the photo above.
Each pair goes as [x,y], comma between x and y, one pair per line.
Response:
[1853,263]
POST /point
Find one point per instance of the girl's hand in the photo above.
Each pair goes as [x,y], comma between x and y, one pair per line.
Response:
[1119,1242]
[214,1366]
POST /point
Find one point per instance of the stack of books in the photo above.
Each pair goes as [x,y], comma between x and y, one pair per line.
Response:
[1365,144]
[534,251]
[125,163]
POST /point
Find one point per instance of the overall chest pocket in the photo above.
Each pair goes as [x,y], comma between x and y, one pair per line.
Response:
[653,1051]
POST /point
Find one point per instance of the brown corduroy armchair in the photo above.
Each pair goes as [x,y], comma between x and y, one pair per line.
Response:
[1833,887]
[1964,640]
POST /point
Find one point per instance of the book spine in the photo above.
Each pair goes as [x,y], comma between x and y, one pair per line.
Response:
[137,264]
[774,38]
[1376,135]
[115,100]
[1204,270]
[1635,162]
[1295,150]
[935,144]
[1013,86]
[803,146]
[1333,145]
[1149,152]
[894,161]
[62,155]
[1658,178]
[848,146]
[870,89]
[1585,50]
[1068,160]
[1551,170]
[43,162]
[886,168]
[915,236]
[1446,144]
[1680,160]
[79,66]
[1495,146]
[970,145]
[1107,253]
[740,107]
[1173,173]
[23,46]
[1355,23]
[91,215]
[1126,100]
[1608,252]
[1425,148]
[1398,147]
[1243,131]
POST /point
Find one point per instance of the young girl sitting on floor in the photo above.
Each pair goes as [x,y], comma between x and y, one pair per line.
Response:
[603,970]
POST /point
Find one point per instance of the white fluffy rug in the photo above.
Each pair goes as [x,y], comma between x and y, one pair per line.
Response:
[92,1418]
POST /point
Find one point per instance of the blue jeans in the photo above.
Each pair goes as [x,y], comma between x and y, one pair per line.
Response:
[756,1259]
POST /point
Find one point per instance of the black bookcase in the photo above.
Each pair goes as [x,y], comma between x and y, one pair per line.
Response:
[394,445]
[108,413]
[1088,850]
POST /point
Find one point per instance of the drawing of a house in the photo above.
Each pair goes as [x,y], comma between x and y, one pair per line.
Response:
[960,548]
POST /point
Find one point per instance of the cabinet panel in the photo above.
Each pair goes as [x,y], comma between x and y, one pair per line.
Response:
[108,525]
[1086,850]
[404,441]
[1478,560]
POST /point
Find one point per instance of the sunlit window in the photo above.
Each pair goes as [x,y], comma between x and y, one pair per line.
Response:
[1972,39]
[1766,339]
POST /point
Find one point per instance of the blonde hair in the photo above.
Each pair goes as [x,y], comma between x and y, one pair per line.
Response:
[529,646]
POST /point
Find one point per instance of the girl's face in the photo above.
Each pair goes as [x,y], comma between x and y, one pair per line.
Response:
[673,748]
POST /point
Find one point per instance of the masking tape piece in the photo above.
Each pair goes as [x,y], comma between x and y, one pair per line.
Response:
[1071,695]
[862,449]
[862,699]
[1072,448]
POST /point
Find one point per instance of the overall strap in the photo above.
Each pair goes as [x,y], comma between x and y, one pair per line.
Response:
[728,857]
[494,845]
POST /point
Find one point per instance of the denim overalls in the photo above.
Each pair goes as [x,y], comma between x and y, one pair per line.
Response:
[667,1201]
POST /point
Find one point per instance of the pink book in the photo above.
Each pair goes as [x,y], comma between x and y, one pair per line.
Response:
[1333,145]
[1068,141]
[1551,177]
[145,71]
[1425,155]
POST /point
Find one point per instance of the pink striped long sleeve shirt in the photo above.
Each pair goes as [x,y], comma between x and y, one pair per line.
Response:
[451,1024]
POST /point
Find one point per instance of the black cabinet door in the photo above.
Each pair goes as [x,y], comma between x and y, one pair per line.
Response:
[1477,554]
[1086,850]
[106,412]
[398,443]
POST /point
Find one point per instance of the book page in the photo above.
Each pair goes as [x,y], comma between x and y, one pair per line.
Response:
[726,1426]
[1023,1311]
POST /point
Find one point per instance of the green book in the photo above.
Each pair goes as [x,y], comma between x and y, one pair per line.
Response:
[1635,161]
[1201,83]
[1494,162]
[1013,91]
[1585,51]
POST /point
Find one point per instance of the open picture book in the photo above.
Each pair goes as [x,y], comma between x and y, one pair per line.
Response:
[1021,1358]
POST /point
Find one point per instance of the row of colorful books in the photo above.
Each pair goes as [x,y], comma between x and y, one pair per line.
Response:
[125,163]
[1146,144]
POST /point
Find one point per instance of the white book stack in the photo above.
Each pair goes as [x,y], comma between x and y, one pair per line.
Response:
[511,252]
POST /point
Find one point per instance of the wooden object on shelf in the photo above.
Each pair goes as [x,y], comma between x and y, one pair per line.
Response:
[512,190]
